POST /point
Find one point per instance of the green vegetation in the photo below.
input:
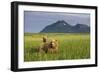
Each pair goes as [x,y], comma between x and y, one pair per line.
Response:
[71,46]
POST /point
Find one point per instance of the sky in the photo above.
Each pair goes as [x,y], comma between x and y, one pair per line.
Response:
[35,21]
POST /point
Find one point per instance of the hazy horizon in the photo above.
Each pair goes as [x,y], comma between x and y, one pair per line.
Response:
[35,21]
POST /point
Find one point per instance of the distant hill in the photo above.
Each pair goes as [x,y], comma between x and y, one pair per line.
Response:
[64,27]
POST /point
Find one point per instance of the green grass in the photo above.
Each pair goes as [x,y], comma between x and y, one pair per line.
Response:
[71,46]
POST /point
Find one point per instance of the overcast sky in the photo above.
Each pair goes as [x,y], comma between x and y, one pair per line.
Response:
[34,22]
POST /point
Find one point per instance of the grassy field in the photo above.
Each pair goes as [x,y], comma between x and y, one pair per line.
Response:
[71,46]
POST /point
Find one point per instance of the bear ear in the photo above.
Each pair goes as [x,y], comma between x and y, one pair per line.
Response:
[56,40]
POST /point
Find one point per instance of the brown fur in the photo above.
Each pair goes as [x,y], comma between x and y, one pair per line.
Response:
[49,46]
[53,46]
[44,39]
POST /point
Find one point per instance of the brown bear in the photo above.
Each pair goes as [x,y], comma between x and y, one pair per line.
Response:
[48,45]
[53,46]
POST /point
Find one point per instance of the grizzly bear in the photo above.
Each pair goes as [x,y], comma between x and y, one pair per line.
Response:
[48,45]
[53,46]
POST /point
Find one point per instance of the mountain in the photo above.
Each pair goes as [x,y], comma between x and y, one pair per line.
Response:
[63,27]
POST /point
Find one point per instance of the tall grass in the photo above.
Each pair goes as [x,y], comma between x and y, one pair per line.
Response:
[71,46]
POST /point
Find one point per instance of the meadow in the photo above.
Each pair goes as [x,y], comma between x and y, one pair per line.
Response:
[71,46]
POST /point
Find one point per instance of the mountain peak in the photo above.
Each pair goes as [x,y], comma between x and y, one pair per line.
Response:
[81,25]
[62,21]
